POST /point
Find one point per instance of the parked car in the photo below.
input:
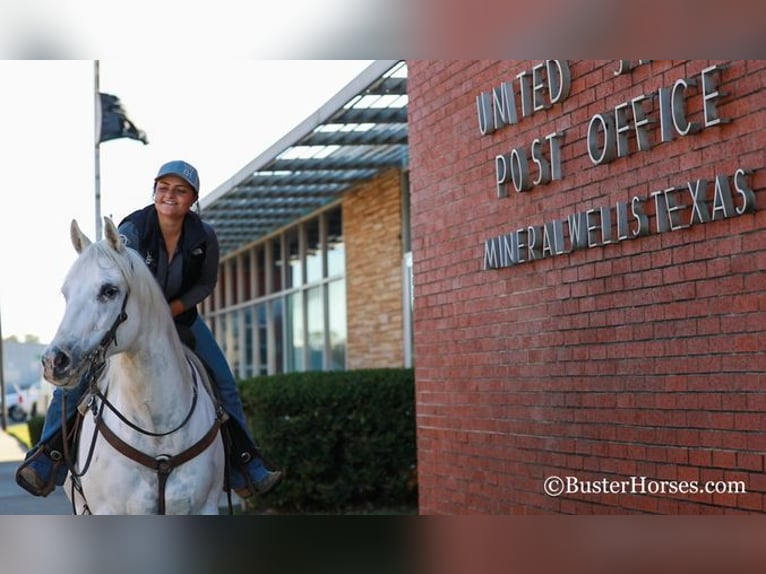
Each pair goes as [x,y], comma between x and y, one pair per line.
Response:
[27,400]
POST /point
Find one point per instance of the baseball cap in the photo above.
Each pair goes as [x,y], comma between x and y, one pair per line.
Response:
[184,170]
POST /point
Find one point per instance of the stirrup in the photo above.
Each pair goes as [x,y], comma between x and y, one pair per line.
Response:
[30,480]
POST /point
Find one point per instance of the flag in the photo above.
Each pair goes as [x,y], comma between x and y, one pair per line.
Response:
[114,122]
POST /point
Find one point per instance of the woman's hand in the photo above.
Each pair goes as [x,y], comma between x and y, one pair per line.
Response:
[176,307]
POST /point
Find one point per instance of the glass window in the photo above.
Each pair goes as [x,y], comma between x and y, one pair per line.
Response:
[221,328]
[336,306]
[249,350]
[232,342]
[297,320]
[313,252]
[263,340]
[279,332]
[336,253]
[295,336]
[315,326]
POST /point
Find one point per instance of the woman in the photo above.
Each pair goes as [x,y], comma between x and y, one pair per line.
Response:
[182,252]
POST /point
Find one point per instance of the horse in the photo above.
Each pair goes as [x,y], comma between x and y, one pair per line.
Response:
[149,437]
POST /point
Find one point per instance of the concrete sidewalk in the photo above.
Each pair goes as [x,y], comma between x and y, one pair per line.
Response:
[11,448]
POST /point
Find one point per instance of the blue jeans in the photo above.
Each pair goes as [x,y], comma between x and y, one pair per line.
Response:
[208,350]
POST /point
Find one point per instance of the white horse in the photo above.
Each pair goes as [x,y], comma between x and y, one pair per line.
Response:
[150,441]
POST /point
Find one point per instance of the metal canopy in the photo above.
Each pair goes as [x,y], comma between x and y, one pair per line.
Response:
[361,131]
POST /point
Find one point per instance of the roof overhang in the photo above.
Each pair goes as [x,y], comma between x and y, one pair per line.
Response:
[358,133]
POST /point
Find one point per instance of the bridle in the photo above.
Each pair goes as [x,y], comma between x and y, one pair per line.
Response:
[162,464]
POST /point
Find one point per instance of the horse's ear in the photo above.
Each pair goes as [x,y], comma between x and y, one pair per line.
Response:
[79,239]
[112,235]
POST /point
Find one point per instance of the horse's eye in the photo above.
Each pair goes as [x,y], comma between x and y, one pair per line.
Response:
[108,291]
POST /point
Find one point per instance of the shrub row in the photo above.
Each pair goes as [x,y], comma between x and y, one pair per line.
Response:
[346,439]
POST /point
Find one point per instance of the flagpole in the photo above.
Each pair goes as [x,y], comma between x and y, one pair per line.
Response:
[97,148]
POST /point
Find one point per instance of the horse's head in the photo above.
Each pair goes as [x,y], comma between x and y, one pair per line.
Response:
[101,316]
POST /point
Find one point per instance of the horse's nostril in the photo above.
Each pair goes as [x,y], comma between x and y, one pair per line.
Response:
[61,360]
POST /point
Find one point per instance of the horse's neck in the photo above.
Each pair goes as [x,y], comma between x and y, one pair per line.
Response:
[153,380]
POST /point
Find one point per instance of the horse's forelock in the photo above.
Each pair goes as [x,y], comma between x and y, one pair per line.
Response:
[135,272]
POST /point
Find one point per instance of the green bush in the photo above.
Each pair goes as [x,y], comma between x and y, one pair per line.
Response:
[346,439]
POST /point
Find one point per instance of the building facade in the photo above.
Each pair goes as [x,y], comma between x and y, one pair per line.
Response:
[589,247]
[314,235]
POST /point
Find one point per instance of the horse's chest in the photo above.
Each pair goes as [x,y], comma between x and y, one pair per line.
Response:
[118,485]
[134,490]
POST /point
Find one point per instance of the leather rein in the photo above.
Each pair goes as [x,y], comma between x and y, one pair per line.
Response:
[162,464]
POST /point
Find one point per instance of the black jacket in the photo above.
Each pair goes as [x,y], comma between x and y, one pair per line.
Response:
[193,245]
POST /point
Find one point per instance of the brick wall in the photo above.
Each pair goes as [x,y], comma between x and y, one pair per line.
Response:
[372,233]
[629,356]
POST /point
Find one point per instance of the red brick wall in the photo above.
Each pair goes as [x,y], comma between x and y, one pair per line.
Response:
[643,357]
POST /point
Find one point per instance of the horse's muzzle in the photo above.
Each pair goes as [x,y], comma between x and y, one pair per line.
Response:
[60,366]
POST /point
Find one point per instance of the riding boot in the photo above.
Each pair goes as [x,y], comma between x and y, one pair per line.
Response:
[249,475]
[44,467]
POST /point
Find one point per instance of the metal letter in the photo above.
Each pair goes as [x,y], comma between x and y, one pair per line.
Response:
[660,211]
[501,175]
[700,211]
[743,189]
[504,105]
[709,95]
[722,202]
[526,96]
[666,122]
[559,80]
[484,109]
[621,128]
[591,228]
[639,121]
[506,250]
[673,207]
[537,88]
[622,220]
[577,230]
[607,152]
[547,250]
[555,153]
[606,225]
[623,67]
[543,167]
[642,221]
[534,242]
[520,169]
[490,254]
[680,122]
[520,244]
